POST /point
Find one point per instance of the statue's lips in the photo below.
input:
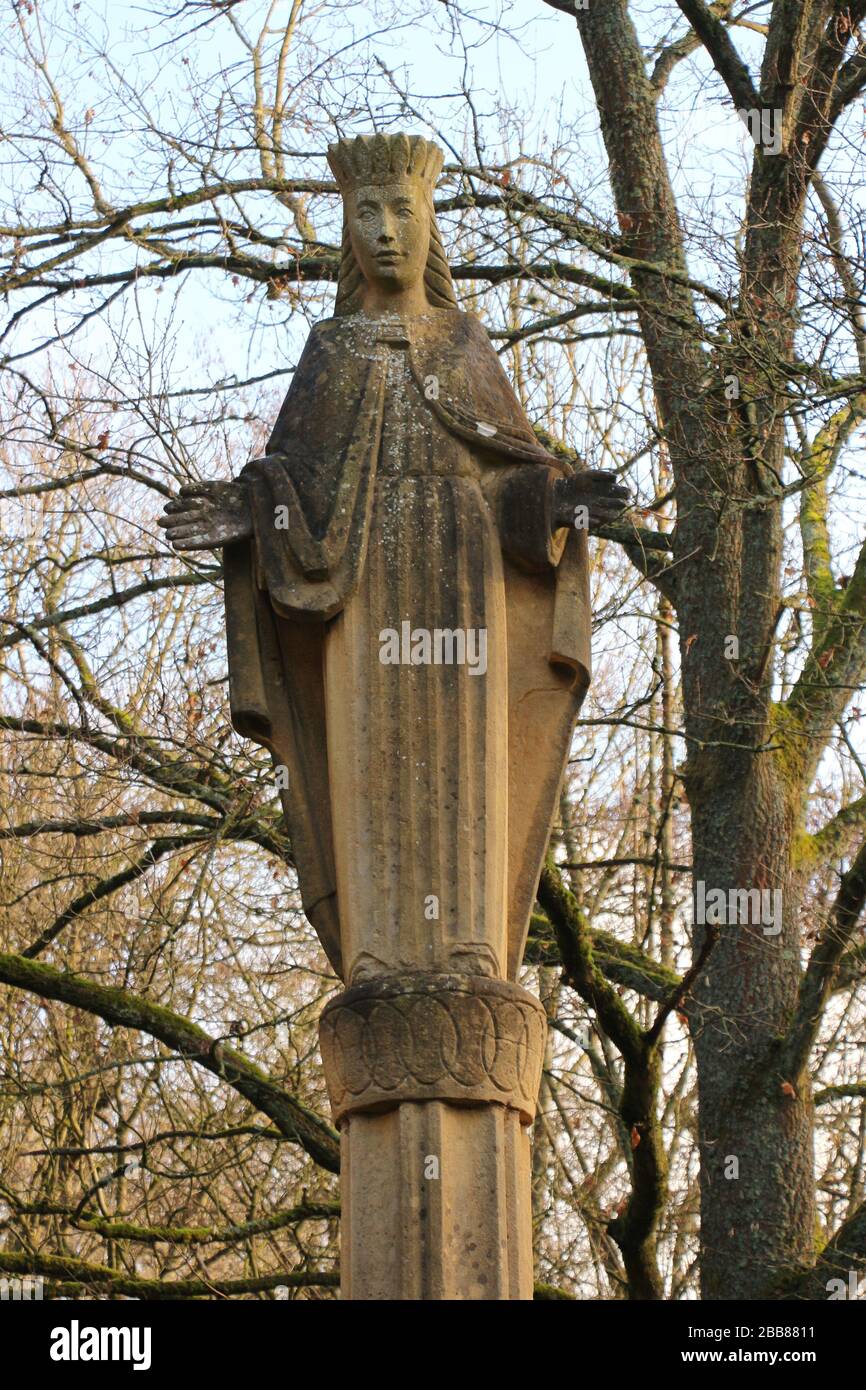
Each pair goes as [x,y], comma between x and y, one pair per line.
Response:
[389,257]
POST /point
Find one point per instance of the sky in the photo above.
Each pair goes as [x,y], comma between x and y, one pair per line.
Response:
[115,61]
[530,62]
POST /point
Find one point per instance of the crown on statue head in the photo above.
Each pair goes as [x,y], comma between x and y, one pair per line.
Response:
[381,159]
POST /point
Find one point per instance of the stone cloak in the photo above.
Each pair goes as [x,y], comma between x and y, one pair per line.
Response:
[307,559]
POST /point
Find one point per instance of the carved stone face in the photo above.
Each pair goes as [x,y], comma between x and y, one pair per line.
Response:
[389,226]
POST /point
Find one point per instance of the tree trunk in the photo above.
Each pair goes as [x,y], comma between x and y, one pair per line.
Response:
[755,1130]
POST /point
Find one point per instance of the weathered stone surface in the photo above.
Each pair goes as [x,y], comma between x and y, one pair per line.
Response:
[469,1040]
[404,498]
[436,1204]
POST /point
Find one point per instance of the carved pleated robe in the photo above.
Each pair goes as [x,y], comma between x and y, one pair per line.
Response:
[404,507]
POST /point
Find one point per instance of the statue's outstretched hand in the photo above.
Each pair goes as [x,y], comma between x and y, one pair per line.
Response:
[592,498]
[205,516]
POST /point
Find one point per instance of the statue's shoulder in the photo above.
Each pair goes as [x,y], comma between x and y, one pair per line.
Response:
[468,332]
[340,329]
[329,340]
[472,324]
[455,320]
[455,326]
[326,331]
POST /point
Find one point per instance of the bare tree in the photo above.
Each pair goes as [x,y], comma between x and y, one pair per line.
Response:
[707,341]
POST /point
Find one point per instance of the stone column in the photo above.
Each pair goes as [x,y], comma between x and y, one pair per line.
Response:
[433,1080]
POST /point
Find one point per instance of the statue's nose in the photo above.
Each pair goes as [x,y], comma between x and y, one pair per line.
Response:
[386,227]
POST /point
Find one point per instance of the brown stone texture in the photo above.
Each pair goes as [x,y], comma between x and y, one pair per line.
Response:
[404,493]
[463,1232]
[419,1037]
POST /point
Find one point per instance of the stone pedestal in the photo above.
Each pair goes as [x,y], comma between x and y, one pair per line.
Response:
[433,1080]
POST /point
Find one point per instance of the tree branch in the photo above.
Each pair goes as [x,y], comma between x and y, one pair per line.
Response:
[121,1008]
[635,1229]
[723,52]
[818,981]
[79,1277]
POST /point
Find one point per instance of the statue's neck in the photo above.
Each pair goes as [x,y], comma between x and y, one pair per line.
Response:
[378,302]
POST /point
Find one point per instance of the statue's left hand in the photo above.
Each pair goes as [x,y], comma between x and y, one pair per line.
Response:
[205,516]
[595,489]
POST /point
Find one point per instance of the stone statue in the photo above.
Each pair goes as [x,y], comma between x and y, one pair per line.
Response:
[408,628]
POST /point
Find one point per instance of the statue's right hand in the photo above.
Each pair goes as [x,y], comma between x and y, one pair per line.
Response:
[206,516]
